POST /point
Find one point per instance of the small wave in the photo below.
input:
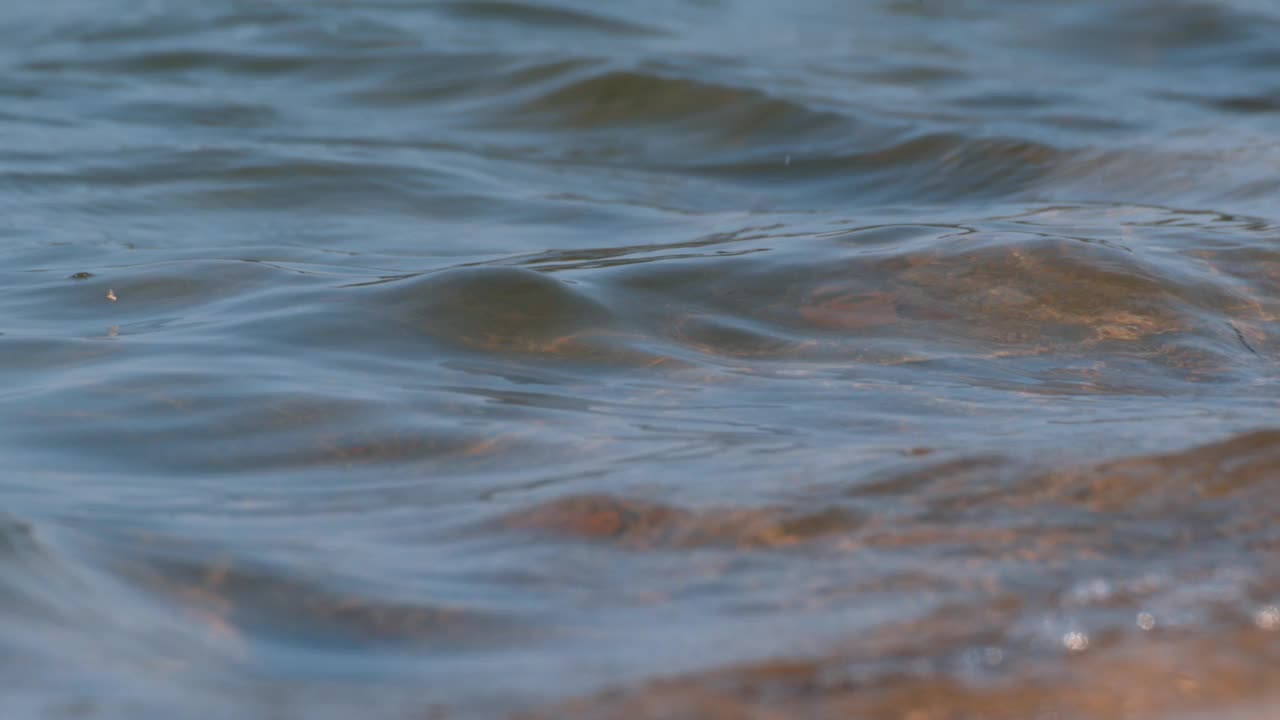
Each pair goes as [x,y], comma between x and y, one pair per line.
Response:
[544,17]
[637,524]
[229,598]
[1144,32]
[637,99]
[1009,292]
[935,167]
[180,61]
[495,305]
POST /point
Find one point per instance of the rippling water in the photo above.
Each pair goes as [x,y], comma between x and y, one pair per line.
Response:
[693,358]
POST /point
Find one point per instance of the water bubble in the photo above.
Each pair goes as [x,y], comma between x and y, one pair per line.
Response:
[992,656]
[1146,620]
[1268,618]
[1092,591]
[1075,641]
[984,657]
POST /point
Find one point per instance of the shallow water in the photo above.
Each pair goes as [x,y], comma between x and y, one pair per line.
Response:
[903,359]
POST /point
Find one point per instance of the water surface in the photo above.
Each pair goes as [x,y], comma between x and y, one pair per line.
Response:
[903,359]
